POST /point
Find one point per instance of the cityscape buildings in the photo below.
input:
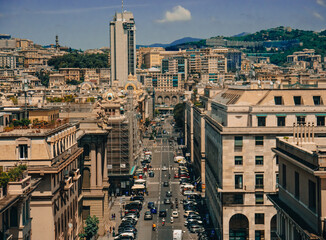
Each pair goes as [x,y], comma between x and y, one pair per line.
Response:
[252,133]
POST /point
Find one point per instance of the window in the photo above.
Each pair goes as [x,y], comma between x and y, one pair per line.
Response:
[278,100]
[296,187]
[284,175]
[297,100]
[261,121]
[259,218]
[280,121]
[317,100]
[301,119]
[320,120]
[277,160]
[259,140]
[312,196]
[13,217]
[259,181]
[237,141]
[238,160]
[238,179]
[23,153]
[277,180]
[259,198]
[259,160]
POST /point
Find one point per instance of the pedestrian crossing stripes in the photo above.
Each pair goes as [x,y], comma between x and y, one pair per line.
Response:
[159,169]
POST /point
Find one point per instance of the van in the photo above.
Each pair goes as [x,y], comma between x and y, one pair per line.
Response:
[177,234]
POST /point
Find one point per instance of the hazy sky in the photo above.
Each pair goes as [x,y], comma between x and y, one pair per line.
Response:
[84,23]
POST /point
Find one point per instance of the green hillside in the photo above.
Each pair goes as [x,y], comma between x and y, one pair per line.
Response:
[309,39]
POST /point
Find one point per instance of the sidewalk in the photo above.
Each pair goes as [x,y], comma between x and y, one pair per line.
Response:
[115,209]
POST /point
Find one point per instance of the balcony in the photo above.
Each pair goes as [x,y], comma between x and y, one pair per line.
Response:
[67,183]
[19,187]
[75,174]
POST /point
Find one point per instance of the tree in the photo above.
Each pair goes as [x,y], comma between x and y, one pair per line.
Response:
[91,228]
[44,77]
[178,113]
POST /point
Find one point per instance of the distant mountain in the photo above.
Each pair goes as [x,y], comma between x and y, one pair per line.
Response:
[242,34]
[176,42]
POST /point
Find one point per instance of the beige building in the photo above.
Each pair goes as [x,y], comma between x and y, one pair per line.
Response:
[300,202]
[70,73]
[15,198]
[43,114]
[52,155]
[56,80]
[240,129]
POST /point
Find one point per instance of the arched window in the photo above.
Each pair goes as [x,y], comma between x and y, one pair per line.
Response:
[239,227]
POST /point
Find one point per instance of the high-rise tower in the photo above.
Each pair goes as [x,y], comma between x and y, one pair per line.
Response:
[123,47]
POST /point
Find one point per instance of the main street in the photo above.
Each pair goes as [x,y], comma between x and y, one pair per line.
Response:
[163,155]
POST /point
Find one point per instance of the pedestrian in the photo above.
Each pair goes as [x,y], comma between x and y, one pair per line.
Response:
[114,216]
[110,230]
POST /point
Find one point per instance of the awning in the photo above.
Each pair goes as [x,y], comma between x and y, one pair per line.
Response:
[132,170]
[301,115]
[281,115]
[261,115]
[320,114]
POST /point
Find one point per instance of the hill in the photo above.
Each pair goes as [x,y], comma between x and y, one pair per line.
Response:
[176,42]
[309,39]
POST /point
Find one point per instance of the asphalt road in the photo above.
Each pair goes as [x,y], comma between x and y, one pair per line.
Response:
[163,154]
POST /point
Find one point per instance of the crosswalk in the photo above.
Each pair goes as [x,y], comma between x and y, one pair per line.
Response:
[159,169]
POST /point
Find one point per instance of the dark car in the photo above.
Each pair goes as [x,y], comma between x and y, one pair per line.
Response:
[165,184]
[134,205]
[167,201]
[151,174]
[150,205]
[148,215]
[137,198]
[162,213]
[168,194]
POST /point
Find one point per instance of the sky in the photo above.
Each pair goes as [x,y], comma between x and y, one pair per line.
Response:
[84,24]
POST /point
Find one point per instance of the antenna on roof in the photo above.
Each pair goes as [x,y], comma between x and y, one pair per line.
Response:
[122,9]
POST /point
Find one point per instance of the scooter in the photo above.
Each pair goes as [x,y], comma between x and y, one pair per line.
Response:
[171,220]
[163,222]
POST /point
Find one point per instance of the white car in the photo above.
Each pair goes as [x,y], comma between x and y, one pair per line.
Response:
[164,168]
[175,214]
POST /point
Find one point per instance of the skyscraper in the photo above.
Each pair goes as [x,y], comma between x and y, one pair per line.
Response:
[123,47]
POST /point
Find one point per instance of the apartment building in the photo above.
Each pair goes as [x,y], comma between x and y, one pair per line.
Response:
[241,126]
[52,155]
[300,202]
[15,198]
[56,80]
[70,73]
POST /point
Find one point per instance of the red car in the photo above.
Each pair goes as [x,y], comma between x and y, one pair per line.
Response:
[176,175]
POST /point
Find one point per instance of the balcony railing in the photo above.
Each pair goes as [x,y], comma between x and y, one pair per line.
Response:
[19,187]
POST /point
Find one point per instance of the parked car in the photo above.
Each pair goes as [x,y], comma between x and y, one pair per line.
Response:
[148,215]
[190,212]
[196,228]
[137,198]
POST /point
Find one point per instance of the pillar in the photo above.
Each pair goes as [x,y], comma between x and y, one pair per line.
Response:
[99,166]
[93,165]
[105,162]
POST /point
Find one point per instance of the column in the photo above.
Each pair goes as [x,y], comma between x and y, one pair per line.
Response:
[93,165]
[99,166]
[105,167]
